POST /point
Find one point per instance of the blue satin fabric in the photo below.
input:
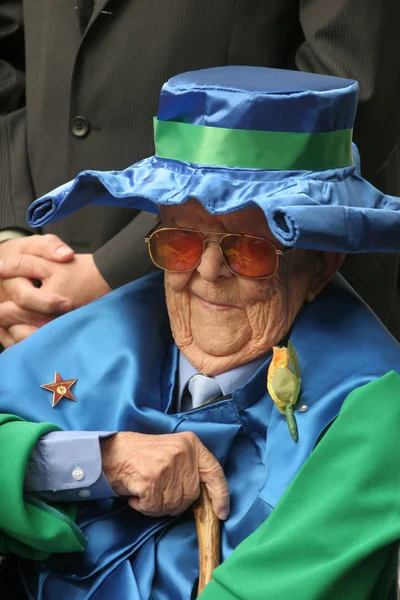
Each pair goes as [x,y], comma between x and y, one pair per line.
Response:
[328,210]
[260,98]
[121,351]
[333,209]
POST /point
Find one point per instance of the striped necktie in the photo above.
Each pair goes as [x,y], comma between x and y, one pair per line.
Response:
[199,390]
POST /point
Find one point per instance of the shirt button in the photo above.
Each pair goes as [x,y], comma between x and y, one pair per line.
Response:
[80,127]
[84,493]
[78,474]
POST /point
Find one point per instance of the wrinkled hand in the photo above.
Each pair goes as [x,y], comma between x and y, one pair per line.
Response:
[162,473]
[67,281]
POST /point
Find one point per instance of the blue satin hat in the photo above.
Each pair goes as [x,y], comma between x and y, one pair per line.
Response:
[233,137]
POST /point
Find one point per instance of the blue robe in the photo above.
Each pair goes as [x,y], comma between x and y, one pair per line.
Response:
[121,351]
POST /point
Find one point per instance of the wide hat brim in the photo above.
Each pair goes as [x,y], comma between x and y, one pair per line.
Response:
[333,210]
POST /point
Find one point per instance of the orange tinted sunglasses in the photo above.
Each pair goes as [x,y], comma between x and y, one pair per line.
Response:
[180,250]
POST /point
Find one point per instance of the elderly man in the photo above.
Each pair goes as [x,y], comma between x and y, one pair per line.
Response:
[259,199]
[68,103]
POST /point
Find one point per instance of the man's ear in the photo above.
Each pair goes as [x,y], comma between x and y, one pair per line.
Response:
[328,264]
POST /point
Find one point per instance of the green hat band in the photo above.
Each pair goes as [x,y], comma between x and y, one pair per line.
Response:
[249,149]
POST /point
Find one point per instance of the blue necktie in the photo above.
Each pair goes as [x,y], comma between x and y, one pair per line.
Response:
[199,390]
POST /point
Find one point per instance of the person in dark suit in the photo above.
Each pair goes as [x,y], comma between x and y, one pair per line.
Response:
[78,87]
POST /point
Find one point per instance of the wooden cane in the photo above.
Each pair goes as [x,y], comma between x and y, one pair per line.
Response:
[208,534]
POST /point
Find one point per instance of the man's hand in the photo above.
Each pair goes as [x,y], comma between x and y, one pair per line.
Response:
[79,281]
[67,281]
[162,473]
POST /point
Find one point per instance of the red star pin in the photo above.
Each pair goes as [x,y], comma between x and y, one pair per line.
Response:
[60,389]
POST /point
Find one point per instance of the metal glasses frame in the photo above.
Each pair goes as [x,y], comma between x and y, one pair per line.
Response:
[157,228]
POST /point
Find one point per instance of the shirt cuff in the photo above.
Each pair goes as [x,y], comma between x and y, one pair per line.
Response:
[12,234]
[66,466]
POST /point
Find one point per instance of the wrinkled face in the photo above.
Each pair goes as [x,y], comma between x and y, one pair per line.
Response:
[220,320]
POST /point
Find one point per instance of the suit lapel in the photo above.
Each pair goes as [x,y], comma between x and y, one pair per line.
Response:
[88,11]
[99,6]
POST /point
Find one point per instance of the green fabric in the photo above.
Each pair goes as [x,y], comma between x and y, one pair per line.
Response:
[28,526]
[333,535]
[245,149]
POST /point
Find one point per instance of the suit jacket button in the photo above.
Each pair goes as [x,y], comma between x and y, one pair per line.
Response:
[80,127]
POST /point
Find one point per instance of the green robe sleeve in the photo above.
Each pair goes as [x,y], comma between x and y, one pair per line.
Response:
[333,534]
[30,527]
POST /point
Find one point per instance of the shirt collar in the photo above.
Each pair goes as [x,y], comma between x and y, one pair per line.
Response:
[229,381]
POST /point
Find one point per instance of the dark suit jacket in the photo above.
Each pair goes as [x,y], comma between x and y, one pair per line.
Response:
[108,66]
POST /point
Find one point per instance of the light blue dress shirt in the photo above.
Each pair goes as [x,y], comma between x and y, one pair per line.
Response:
[228,382]
[66,465]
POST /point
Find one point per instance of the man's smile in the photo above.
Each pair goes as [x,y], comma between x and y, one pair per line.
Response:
[213,305]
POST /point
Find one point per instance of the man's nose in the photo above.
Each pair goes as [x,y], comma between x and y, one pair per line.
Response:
[212,264]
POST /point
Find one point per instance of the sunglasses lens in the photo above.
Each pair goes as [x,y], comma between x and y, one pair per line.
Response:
[176,249]
[250,256]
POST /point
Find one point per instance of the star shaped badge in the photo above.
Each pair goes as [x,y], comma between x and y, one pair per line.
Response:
[61,388]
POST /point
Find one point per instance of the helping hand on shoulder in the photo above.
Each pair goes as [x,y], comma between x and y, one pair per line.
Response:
[162,473]
[68,280]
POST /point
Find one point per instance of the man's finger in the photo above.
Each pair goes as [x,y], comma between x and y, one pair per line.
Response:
[147,498]
[20,332]
[25,295]
[137,504]
[212,474]
[6,340]
[47,246]
[24,265]
[11,315]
